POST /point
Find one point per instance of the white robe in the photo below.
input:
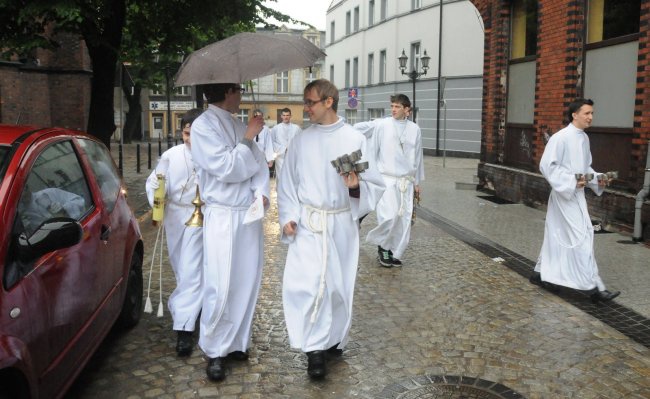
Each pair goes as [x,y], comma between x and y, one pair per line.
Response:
[318,311]
[264,142]
[282,134]
[184,244]
[231,176]
[396,146]
[567,255]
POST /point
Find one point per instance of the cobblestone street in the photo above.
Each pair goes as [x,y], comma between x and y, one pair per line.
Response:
[451,310]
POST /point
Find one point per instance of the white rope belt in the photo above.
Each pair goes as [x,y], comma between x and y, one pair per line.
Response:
[227,207]
[322,213]
[402,183]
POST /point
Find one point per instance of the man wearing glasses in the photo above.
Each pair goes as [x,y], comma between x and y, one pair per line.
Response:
[232,173]
[318,212]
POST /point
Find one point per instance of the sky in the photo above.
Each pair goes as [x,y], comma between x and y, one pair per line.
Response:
[311,11]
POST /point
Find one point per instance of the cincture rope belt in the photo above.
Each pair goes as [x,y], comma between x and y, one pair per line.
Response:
[322,228]
[402,183]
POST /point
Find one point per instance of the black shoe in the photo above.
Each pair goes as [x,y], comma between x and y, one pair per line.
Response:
[396,262]
[384,257]
[604,296]
[316,364]
[335,351]
[238,355]
[536,278]
[184,343]
[216,369]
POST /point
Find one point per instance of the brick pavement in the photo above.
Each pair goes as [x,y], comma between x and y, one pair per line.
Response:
[451,310]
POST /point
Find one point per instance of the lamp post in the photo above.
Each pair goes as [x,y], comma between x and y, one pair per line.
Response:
[414,75]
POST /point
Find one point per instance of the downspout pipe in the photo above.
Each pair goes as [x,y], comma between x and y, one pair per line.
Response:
[640,197]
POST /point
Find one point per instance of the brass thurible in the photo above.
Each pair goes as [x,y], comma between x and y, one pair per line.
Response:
[196,220]
[159,201]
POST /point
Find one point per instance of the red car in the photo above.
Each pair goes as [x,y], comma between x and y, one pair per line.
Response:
[70,257]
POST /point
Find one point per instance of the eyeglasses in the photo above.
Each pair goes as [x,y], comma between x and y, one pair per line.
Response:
[310,103]
[242,90]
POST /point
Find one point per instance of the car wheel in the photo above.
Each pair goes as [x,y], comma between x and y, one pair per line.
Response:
[132,307]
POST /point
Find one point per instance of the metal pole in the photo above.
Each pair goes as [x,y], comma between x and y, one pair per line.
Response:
[439,75]
[121,106]
[444,134]
[169,111]
[137,157]
[149,155]
[413,77]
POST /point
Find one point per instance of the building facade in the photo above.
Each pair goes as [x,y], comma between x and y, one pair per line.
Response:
[365,39]
[540,55]
[48,88]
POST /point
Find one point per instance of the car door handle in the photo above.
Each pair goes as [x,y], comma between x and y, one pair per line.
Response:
[106,232]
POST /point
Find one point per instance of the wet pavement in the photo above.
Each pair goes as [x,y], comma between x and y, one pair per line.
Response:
[458,320]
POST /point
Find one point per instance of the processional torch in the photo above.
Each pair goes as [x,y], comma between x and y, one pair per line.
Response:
[159,201]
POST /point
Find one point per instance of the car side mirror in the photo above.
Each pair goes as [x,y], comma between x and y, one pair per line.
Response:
[53,234]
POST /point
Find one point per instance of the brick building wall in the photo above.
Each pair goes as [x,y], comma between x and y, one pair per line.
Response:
[51,88]
[558,80]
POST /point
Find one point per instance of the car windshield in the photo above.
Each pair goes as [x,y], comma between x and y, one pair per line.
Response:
[4,160]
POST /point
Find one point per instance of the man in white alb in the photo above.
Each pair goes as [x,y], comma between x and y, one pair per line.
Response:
[233,176]
[567,255]
[264,140]
[396,146]
[318,210]
[282,134]
[184,243]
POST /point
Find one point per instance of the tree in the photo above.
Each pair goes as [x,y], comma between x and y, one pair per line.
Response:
[168,27]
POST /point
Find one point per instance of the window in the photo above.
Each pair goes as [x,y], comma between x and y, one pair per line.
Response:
[157,91]
[348,23]
[371,68]
[355,71]
[347,73]
[242,115]
[56,186]
[375,113]
[105,172]
[183,91]
[282,82]
[311,76]
[523,41]
[332,73]
[351,116]
[371,12]
[382,11]
[607,19]
[415,56]
[416,4]
[382,66]
[356,19]
[332,31]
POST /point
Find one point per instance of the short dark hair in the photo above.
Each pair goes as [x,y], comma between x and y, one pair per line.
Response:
[576,105]
[324,88]
[287,110]
[400,99]
[216,92]
[190,116]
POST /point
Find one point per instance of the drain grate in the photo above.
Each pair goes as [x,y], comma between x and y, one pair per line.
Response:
[448,387]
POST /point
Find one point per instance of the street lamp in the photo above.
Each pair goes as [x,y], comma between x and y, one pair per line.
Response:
[414,75]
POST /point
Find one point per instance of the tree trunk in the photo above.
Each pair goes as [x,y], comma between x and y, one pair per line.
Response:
[101,122]
[133,124]
[103,41]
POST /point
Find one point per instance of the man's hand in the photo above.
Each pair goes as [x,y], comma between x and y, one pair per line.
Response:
[582,182]
[254,128]
[351,180]
[290,228]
